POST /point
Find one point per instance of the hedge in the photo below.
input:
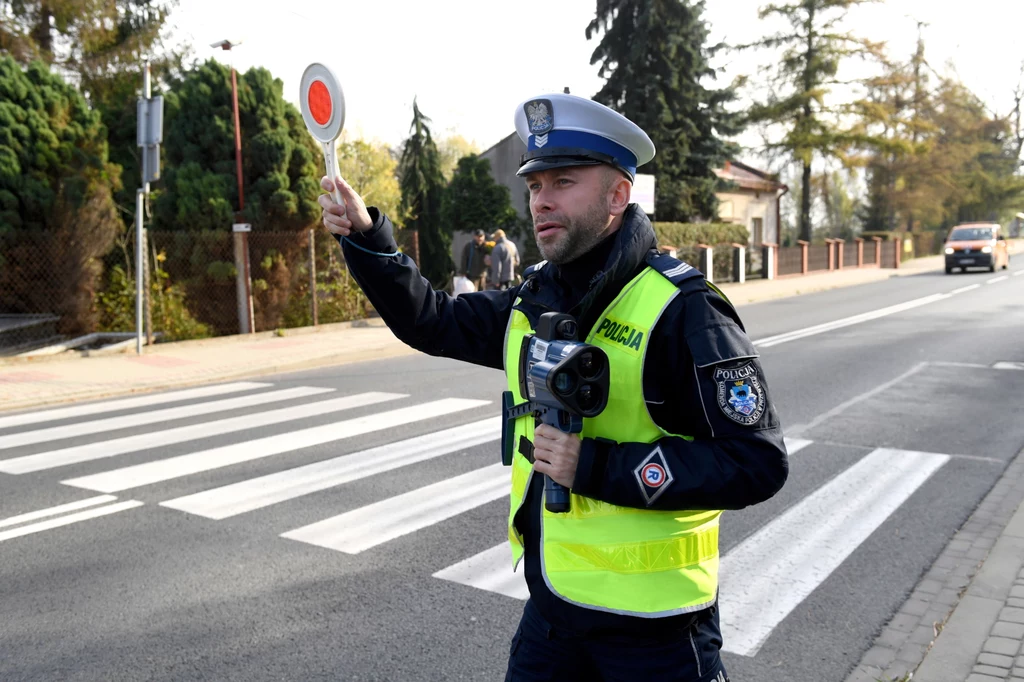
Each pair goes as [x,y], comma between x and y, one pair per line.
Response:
[691,234]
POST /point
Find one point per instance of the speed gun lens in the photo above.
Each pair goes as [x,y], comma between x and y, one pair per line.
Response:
[588,397]
[590,365]
[565,383]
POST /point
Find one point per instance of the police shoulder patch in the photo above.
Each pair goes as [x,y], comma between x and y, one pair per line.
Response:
[653,475]
[740,395]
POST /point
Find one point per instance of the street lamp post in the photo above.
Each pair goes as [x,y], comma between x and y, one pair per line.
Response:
[240,230]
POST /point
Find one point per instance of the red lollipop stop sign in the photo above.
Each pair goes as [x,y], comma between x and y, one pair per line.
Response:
[323,110]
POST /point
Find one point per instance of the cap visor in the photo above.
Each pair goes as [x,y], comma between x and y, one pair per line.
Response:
[546,163]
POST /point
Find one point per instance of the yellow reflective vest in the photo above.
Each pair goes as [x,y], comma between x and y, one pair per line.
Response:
[636,562]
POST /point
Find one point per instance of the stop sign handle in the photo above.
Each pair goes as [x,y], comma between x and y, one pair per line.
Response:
[321,89]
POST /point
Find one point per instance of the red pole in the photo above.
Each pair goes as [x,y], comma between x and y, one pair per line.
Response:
[238,141]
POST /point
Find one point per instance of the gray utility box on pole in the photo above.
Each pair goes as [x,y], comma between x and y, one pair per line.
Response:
[150,136]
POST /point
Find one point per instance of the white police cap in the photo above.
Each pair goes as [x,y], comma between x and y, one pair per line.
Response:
[566,130]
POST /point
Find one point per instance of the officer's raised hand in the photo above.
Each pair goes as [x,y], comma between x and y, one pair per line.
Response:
[555,454]
[343,220]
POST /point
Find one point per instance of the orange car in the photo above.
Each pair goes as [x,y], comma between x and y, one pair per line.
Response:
[976,245]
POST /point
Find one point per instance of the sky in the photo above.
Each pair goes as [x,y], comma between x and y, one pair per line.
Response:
[470,63]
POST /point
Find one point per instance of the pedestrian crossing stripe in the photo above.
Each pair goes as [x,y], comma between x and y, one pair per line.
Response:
[762,579]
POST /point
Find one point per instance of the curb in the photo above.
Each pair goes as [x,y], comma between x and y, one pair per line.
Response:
[193,343]
[335,359]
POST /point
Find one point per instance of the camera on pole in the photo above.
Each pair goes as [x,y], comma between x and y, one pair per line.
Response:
[563,381]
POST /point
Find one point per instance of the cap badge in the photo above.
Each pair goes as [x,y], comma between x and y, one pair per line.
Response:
[540,115]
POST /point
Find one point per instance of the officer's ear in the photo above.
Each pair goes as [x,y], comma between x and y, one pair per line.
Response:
[619,190]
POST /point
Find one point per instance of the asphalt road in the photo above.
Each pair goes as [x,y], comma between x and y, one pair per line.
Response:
[350,488]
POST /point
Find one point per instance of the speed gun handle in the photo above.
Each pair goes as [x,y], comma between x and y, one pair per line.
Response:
[556,495]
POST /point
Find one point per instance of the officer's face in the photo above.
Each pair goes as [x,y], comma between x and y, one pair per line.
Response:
[479,239]
[574,209]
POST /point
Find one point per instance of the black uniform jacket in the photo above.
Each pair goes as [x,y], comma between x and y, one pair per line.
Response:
[737,456]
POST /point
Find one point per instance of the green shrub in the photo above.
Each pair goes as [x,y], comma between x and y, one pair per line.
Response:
[691,234]
[171,316]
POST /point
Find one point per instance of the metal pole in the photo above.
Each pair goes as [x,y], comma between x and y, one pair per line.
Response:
[312,275]
[246,316]
[238,141]
[139,197]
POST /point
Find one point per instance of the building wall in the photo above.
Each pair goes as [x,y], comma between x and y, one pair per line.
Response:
[504,158]
[743,206]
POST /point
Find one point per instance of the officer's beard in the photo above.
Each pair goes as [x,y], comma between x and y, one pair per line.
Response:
[581,234]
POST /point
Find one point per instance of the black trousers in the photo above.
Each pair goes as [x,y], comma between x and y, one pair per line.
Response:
[539,652]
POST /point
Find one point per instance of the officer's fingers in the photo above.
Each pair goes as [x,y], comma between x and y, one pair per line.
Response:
[331,219]
[327,202]
[546,432]
[542,467]
[326,184]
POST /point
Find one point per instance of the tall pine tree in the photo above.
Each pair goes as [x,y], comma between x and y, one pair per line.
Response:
[654,54]
[422,185]
[798,84]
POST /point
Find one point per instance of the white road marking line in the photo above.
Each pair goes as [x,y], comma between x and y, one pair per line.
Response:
[1008,365]
[947,363]
[54,511]
[246,451]
[139,419]
[182,434]
[69,519]
[377,523]
[997,279]
[770,573]
[489,570]
[848,321]
[969,287]
[256,493]
[125,404]
[1019,272]
[795,445]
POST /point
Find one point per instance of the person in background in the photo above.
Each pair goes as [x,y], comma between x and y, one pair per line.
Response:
[504,259]
[472,265]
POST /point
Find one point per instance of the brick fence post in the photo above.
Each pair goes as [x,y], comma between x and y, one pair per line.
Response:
[803,256]
[878,251]
[860,252]
[840,248]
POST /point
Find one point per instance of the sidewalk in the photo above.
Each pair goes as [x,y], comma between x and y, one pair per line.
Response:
[47,380]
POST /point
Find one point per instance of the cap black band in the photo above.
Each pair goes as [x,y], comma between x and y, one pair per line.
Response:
[580,153]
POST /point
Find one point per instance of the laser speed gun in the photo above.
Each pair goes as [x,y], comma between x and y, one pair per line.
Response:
[563,382]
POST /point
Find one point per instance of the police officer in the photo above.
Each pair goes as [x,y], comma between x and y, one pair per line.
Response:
[625,585]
